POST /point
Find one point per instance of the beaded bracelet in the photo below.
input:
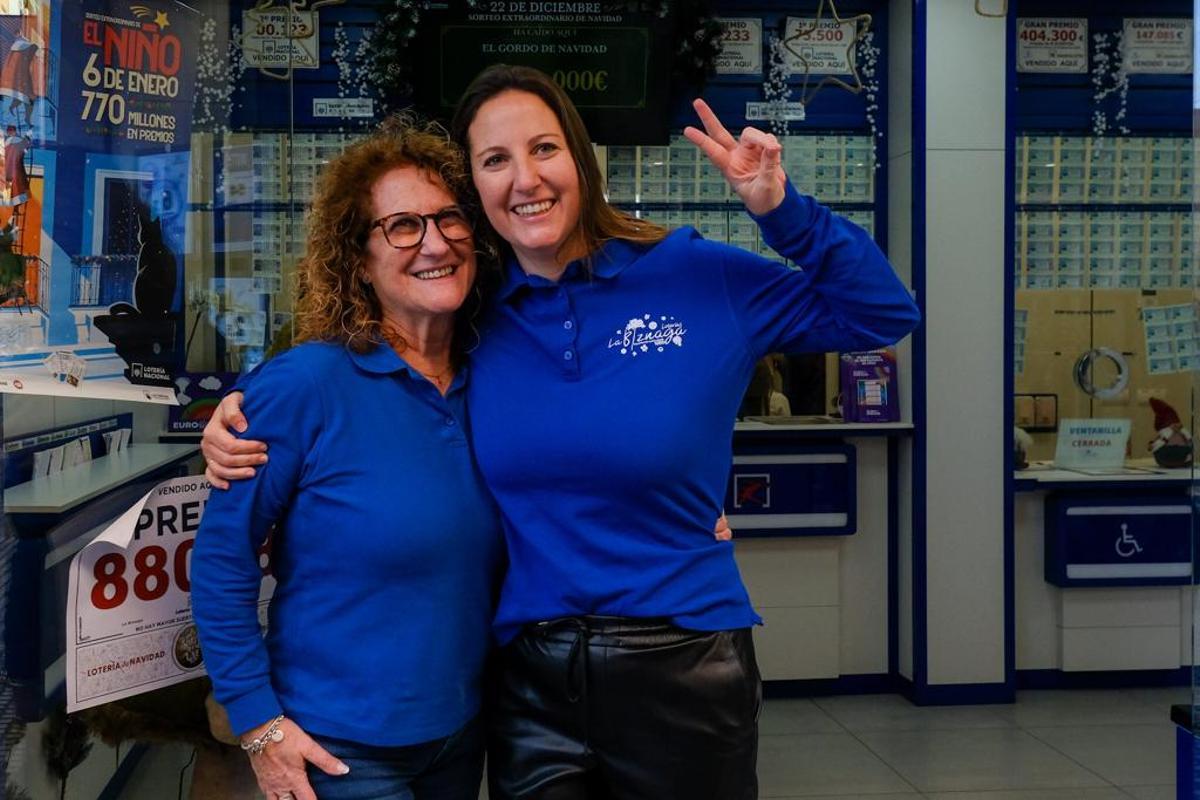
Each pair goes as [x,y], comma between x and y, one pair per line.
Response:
[271,734]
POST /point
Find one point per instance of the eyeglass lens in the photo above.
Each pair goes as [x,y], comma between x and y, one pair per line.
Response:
[408,230]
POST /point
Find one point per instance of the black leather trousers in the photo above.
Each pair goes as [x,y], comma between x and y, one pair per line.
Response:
[611,708]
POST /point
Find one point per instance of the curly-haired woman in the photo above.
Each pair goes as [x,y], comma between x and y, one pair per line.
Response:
[386,549]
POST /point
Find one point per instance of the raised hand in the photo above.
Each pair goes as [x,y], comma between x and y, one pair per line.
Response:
[750,163]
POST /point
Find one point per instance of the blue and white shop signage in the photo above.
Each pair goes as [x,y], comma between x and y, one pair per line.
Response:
[1123,540]
[804,492]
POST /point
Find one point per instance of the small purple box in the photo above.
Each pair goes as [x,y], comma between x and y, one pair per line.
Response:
[869,387]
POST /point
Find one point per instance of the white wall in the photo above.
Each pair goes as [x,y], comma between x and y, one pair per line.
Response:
[964,287]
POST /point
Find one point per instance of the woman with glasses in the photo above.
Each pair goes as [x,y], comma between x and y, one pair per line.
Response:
[612,360]
[386,546]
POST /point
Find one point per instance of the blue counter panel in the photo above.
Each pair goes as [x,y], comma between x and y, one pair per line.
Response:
[806,492]
[1118,540]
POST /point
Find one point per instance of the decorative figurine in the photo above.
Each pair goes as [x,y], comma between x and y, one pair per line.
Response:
[1172,447]
[1022,444]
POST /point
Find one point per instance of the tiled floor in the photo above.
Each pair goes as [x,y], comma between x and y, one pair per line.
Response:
[1090,745]
[1076,745]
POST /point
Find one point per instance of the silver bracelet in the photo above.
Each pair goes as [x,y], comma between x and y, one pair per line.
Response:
[271,734]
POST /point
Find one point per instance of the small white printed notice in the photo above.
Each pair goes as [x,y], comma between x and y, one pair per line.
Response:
[757,111]
[343,107]
[1157,45]
[741,46]
[819,47]
[1052,44]
[1091,443]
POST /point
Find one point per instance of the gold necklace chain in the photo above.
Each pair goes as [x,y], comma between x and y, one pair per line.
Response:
[436,378]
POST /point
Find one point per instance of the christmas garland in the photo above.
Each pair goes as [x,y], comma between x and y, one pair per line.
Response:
[387,47]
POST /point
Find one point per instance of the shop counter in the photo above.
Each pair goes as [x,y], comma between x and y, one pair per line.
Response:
[74,486]
[814,510]
[1103,571]
[1044,476]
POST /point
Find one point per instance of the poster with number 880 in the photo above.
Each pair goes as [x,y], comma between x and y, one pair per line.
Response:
[129,611]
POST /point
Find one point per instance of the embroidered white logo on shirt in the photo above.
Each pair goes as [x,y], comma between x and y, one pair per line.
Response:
[639,335]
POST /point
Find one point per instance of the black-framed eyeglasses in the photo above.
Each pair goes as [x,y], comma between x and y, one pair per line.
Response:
[406,229]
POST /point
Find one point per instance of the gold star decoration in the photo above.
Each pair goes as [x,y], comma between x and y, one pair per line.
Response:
[862,23]
[161,20]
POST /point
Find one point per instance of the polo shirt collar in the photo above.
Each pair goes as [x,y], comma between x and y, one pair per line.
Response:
[383,360]
[611,260]
[380,359]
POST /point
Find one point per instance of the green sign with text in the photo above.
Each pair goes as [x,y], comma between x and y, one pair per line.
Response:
[600,67]
[612,62]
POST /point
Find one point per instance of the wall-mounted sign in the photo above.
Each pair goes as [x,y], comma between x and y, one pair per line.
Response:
[1052,44]
[758,111]
[819,47]
[345,107]
[1157,45]
[807,493]
[117,181]
[129,609]
[280,38]
[1094,540]
[1091,443]
[130,80]
[741,46]
[613,62]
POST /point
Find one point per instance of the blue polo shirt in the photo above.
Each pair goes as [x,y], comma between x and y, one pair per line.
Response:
[602,407]
[388,553]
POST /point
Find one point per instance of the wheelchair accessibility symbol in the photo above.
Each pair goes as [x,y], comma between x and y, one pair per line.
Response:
[1127,546]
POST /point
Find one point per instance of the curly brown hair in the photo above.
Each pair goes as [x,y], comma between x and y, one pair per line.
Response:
[334,303]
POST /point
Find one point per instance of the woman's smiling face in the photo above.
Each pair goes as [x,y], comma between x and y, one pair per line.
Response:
[428,280]
[527,179]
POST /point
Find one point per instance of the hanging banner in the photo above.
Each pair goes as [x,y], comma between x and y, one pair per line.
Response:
[819,47]
[1159,46]
[741,46]
[129,609]
[1052,44]
[99,304]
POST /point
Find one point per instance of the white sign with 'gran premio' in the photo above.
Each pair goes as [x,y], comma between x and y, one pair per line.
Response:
[1052,44]
[1157,45]
[741,46]
[819,46]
